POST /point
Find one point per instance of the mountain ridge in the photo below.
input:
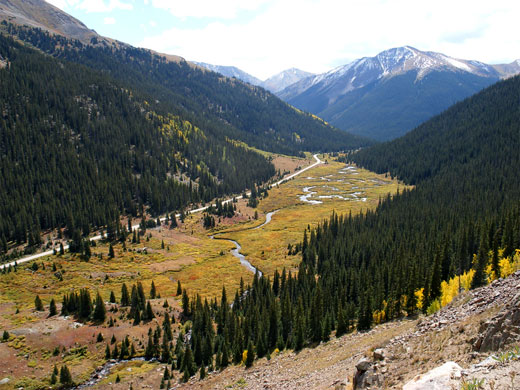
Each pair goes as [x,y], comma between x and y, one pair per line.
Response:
[40,14]
[327,94]
[274,84]
[285,78]
[230,71]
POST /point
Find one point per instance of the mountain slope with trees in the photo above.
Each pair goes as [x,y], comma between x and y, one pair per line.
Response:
[221,106]
[78,148]
[462,215]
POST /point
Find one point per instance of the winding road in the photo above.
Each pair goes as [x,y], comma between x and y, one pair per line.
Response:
[198,210]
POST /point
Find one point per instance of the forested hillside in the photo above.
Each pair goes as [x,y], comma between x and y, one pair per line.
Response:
[78,148]
[224,107]
[463,214]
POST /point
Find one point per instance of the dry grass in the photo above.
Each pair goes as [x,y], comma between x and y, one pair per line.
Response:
[266,248]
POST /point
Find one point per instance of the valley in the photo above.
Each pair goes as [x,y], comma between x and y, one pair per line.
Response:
[168,224]
[187,254]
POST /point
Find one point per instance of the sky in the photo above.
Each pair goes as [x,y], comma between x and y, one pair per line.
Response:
[264,37]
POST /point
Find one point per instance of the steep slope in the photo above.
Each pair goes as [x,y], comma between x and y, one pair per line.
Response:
[284,79]
[231,71]
[39,13]
[225,107]
[385,96]
[80,147]
[462,217]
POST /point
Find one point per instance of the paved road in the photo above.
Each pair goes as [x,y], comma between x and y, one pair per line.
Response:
[98,237]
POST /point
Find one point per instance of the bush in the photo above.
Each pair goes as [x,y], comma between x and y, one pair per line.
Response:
[434,307]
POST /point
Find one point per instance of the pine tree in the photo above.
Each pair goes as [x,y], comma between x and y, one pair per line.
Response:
[125,299]
[250,354]
[341,328]
[107,353]
[149,312]
[479,278]
[137,317]
[100,310]
[365,313]
[111,253]
[165,350]
[224,361]
[494,260]
[179,288]
[38,305]
[185,304]
[153,291]
[188,366]
[112,297]
[52,308]
[115,352]
[54,375]
[65,376]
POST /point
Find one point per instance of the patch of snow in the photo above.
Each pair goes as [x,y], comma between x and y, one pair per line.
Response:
[458,64]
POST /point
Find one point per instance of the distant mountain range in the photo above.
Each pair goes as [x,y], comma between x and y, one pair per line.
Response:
[230,71]
[274,84]
[282,80]
[385,96]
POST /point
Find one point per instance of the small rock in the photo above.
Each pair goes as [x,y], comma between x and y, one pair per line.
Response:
[4,381]
[379,354]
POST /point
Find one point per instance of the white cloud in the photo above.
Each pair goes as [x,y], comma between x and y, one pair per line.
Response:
[109,20]
[94,5]
[153,23]
[223,9]
[313,35]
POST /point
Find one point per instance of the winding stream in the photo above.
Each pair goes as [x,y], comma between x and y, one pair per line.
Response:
[236,252]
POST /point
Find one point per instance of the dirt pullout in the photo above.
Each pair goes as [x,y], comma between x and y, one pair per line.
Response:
[289,164]
[172,265]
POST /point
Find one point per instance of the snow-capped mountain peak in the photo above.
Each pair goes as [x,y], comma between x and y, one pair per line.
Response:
[283,79]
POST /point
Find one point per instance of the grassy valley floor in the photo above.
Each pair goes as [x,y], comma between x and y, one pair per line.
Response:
[165,256]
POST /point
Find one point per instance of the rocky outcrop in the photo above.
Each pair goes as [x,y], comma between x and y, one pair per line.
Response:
[370,373]
[502,329]
[440,378]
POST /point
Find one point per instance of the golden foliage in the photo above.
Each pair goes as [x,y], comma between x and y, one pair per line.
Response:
[419,295]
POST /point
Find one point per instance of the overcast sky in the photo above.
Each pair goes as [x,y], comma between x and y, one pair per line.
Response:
[264,37]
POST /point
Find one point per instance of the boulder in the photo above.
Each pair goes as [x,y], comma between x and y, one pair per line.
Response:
[440,378]
[368,375]
[501,330]
[363,365]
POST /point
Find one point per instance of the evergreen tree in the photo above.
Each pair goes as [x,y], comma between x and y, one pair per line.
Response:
[250,355]
[125,299]
[153,292]
[188,366]
[65,376]
[479,278]
[100,311]
[112,297]
[38,305]
[341,328]
[52,308]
